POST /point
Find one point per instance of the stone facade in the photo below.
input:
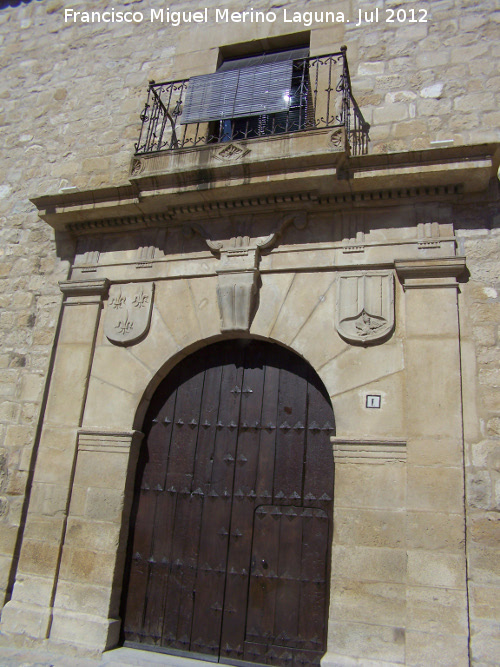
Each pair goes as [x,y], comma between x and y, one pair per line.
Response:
[415,556]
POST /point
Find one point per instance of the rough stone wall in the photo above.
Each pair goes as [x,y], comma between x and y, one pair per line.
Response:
[70,98]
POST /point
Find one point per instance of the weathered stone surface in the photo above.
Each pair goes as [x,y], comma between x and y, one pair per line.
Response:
[69,120]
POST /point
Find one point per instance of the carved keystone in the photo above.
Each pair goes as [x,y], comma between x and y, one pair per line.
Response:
[238,273]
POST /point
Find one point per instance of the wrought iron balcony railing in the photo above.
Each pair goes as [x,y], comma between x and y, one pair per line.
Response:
[320,96]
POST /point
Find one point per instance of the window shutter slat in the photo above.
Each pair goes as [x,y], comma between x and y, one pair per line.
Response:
[263,89]
[210,97]
[238,93]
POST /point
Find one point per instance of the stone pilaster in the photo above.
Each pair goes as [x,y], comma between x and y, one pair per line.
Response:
[436,594]
[367,594]
[88,591]
[29,612]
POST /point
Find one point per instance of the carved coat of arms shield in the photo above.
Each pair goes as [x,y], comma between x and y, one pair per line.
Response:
[365,305]
[128,314]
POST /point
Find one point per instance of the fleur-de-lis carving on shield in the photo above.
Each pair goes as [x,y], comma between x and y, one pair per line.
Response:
[128,314]
[365,305]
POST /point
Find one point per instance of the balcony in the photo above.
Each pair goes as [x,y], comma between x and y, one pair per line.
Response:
[317,96]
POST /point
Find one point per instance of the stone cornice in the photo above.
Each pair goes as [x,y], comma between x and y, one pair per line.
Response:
[313,177]
[79,288]
[438,272]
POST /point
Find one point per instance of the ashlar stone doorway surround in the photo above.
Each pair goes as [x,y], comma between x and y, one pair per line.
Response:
[398,561]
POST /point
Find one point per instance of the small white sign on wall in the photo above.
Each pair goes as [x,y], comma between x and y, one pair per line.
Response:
[373,401]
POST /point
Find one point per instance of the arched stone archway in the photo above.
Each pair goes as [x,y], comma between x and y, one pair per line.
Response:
[231,524]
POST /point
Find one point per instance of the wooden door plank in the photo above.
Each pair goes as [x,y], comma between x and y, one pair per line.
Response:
[243,504]
[180,474]
[152,464]
[319,476]
[290,439]
[286,620]
[210,585]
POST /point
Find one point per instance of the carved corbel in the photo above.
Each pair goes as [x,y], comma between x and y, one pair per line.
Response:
[238,275]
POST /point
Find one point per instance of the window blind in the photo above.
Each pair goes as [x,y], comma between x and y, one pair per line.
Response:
[237,93]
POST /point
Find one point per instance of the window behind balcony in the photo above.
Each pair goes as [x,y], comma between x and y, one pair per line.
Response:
[254,96]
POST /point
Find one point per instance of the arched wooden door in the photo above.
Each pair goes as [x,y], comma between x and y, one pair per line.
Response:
[232,517]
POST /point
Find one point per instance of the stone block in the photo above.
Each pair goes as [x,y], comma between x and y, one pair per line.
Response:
[435,366]
[8,538]
[68,384]
[9,411]
[31,387]
[367,641]
[368,564]
[83,598]
[359,366]
[364,601]
[86,630]
[117,366]
[104,504]
[434,451]
[32,621]
[178,311]
[44,528]
[320,326]
[56,456]
[158,346]
[97,413]
[273,291]
[353,418]
[305,294]
[440,611]
[39,558]
[49,499]
[435,489]
[101,469]
[484,528]
[391,113]
[94,535]
[484,564]
[87,567]
[446,650]
[34,590]
[18,435]
[203,291]
[436,307]
[436,531]
[371,486]
[485,601]
[434,569]
[369,528]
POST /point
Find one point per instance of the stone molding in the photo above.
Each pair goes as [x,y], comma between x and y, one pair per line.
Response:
[434,172]
[346,450]
[118,442]
[430,273]
[84,288]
